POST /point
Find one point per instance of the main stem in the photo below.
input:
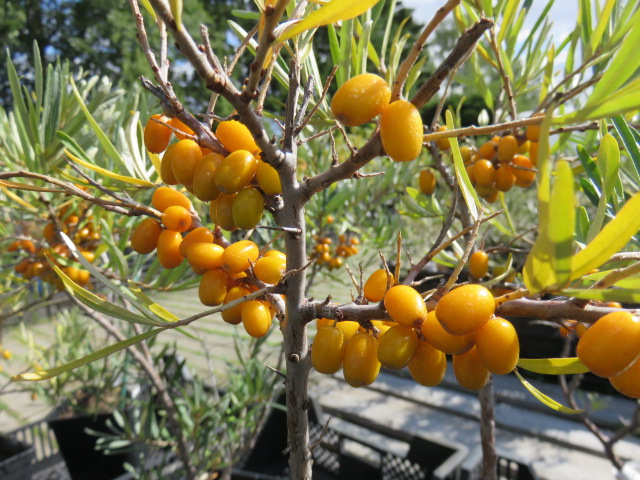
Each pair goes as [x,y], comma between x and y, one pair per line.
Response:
[488,432]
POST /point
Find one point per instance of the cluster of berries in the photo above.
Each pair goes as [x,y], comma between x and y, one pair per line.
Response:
[324,255]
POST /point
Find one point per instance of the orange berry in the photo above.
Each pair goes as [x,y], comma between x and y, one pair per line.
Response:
[233,315]
[443,143]
[204,256]
[439,338]
[235,171]
[268,178]
[176,218]
[524,147]
[204,180]
[144,238]
[22,265]
[165,197]
[166,167]
[28,246]
[498,346]
[328,350]
[401,131]
[238,256]
[628,381]
[156,135]
[198,235]
[247,208]
[348,327]
[488,150]
[360,364]
[275,253]
[524,178]
[465,153]
[376,285]
[83,277]
[484,173]
[405,306]
[427,182]
[471,173]
[16,244]
[360,99]
[479,264]
[186,157]
[533,153]
[169,249]
[533,133]
[270,269]
[256,318]
[397,346]
[507,148]
[469,370]
[465,309]
[213,288]
[505,178]
[221,212]
[177,123]
[428,365]
[611,344]
[236,136]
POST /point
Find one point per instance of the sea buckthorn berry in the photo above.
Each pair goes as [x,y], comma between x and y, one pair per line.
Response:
[488,150]
[186,157]
[533,153]
[428,365]
[177,124]
[524,147]
[236,136]
[83,277]
[204,256]
[405,306]
[198,235]
[492,195]
[28,246]
[235,171]
[156,135]
[247,208]
[348,327]
[507,148]
[204,180]
[465,153]
[221,213]
[15,245]
[533,133]
[360,99]
[144,238]
[360,364]
[580,328]
[176,218]
[498,346]
[401,131]
[376,285]
[465,309]
[256,318]
[443,143]
[22,265]
[505,178]
[397,346]
[628,382]
[270,269]
[471,173]
[524,178]
[469,370]
[213,288]
[611,344]
[238,256]
[169,249]
[427,182]
[233,315]
[484,173]
[49,233]
[328,350]
[166,167]
[268,178]
[438,337]
[275,253]
[90,256]
[165,197]
[479,264]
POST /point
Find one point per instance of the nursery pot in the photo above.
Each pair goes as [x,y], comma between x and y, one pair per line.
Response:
[15,459]
[78,448]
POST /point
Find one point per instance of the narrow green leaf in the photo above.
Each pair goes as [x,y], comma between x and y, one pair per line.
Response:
[562,221]
[629,142]
[621,295]
[632,282]
[546,400]
[603,21]
[507,18]
[582,224]
[613,237]
[468,192]
[104,352]
[159,310]
[553,366]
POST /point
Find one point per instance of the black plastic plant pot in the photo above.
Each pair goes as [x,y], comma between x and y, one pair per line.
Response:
[78,448]
[15,459]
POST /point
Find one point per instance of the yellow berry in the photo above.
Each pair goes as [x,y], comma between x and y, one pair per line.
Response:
[443,143]
[483,173]
[524,178]
[479,264]
[469,370]
[144,238]
[198,235]
[268,179]
[235,171]
[256,318]
[397,346]
[360,364]
[166,167]
[156,135]
[238,256]
[204,180]
[176,218]
[488,150]
[628,381]
[498,346]
[428,365]
[213,288]
[465,309]
[507,148]
[177,124]
[405,306]
[401,131]
[439,338]
[505,178]
[165,197]
[169,249]
[427,182]
[247,208]
[221,212]
[376,285]
[270,269]
[348,327]
[328,350]
[186,157]
[236,136]
[360,99]
[204,256]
